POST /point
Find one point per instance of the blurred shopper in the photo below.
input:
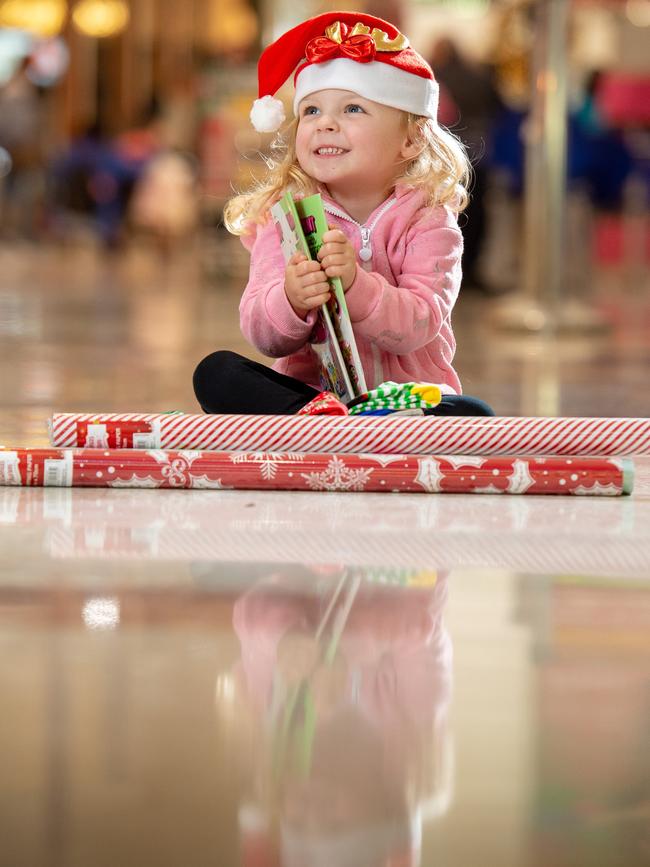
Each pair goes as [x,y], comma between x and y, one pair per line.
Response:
[598,160]
[22,136]
[599,164]
[91,180]
[139,144]
[469,103]
[598,155]
[164,200]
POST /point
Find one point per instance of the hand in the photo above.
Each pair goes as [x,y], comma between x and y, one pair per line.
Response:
[337,257]
[305,284]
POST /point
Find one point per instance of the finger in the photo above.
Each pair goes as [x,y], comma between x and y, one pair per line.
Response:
[308,266]
[314,283]
[309,278]
[296,258]
[335,252]
[329,250]
[316,300]
[336,271]
[335,241]
[334,235]
[334,259]
[333,249]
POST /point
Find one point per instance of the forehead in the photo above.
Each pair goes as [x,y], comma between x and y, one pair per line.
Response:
[334,95]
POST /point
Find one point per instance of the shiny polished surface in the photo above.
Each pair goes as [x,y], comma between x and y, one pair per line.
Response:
[300,679]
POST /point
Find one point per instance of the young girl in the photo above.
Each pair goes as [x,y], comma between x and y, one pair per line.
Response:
[365,136]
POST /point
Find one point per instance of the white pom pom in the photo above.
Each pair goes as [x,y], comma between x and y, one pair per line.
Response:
[267,114]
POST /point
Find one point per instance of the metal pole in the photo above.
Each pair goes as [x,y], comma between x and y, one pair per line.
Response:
[535,309]
[542,307]
[554,96]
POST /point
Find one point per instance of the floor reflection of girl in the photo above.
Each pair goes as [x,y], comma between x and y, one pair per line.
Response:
[346,691]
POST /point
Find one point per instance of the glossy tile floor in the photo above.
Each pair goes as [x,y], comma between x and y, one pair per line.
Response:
[220,678]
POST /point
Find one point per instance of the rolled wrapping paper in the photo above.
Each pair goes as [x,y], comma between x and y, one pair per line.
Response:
[132,468]
[413,435]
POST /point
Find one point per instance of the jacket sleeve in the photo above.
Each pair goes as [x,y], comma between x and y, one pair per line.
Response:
[267,319]
[403,318]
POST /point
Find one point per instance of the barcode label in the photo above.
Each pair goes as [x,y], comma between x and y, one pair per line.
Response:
[96,436]
[57,473]
[9,469]
[145,440]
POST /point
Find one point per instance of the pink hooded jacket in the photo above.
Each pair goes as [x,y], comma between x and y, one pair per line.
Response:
[400,303]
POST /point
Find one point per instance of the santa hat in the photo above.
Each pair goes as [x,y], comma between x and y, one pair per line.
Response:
[344,51]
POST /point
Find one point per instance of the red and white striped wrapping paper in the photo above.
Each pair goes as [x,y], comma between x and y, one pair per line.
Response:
[132,468]
[414,435]
[593,536]
[542,555]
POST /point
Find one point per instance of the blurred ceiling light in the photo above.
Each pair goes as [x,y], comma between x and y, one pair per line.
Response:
[42,17]
[101,613]
[231,26]
[101,18]
[638,12]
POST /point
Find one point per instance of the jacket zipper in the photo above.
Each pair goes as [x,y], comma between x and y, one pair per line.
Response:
[365,252]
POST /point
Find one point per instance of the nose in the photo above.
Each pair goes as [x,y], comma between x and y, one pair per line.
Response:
[326,121]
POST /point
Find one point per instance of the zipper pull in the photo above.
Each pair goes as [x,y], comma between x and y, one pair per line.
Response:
[365,253]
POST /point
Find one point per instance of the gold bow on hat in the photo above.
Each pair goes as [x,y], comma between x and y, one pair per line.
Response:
[337,32]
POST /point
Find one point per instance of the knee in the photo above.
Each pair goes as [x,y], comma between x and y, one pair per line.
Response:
[479,407]
[218,363]
[214,369]
[460,404]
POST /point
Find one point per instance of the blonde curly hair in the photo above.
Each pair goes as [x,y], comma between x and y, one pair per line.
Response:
[441,168]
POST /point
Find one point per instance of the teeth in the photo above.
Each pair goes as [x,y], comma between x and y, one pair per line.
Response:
[330,150]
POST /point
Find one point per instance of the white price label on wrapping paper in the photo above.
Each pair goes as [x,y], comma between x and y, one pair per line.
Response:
[57,472]
[145,440]
[9,469]
[148,439]
[96,436]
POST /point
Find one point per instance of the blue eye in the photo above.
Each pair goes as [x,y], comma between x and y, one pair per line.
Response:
[353,108]
[310,109]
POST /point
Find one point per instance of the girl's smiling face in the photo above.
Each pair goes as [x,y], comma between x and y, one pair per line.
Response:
[348,142]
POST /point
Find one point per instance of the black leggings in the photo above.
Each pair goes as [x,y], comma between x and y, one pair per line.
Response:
[228,383]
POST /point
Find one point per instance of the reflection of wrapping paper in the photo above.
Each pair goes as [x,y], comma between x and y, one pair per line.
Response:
[460,435]
[132,468]
[541,535]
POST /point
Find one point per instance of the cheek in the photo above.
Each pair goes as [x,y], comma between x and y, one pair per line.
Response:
[302,146]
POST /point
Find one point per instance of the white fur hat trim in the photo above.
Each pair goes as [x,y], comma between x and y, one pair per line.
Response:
[377,81]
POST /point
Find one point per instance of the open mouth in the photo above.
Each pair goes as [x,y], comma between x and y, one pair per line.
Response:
[329,152]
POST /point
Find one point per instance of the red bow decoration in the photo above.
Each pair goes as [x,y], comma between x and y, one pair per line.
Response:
[361,48]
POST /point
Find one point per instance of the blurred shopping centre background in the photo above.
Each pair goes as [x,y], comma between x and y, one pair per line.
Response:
[121,117]
[124,125]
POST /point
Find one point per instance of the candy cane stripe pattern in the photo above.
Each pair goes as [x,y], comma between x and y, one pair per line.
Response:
[607,557]
[159,468]
[355,435]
